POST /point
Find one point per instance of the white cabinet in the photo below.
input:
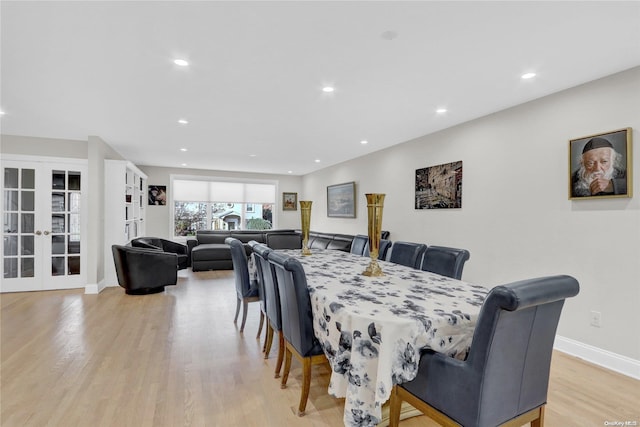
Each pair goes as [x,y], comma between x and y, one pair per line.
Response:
[125,198]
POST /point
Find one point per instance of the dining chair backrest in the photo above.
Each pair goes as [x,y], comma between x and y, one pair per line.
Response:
[244,287]
[259,275]
[506,373]
[297,317]
[271,296]
[358,244]
[445,261]
[383,250]
[407,253]
[284,240]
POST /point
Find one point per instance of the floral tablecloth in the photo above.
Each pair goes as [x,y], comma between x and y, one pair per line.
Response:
[373,328]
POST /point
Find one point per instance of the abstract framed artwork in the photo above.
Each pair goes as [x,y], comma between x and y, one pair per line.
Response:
[600,165]
[439,187]
[289,201]
[341,200]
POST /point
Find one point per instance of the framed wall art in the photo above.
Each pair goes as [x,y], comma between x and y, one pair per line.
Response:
[341,200]
[158,195]
[439,187]
[600,165]
[289,201]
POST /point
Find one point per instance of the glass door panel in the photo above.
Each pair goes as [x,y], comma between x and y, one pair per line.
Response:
[18,188]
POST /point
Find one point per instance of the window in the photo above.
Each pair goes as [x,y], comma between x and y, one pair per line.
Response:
[221,205]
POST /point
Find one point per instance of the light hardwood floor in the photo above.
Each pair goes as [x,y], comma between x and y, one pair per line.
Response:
[177,359]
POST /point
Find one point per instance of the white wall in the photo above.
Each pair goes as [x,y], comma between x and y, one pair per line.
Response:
[158,220]
[516,218]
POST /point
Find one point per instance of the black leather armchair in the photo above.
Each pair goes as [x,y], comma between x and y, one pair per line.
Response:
[165,246]
[506,374]
[144,271]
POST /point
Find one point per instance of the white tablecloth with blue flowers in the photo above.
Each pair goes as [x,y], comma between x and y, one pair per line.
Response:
[373,328]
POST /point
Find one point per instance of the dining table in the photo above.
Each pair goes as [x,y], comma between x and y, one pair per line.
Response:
[373,329]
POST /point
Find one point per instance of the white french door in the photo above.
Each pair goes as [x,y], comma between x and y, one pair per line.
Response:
[44,225]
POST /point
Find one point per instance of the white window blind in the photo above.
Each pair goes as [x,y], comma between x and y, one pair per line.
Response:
[222,191]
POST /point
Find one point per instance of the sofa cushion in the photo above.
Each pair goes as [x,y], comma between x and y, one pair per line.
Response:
[211,252]
[246,237]
[208,236]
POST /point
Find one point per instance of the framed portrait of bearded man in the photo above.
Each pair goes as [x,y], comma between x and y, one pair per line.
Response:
[600,165]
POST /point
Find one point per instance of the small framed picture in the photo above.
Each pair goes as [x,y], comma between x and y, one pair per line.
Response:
[341,200]
[289,201]
[600,165]
[158,195]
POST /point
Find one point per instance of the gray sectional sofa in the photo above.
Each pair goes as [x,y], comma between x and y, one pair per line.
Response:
[209,252]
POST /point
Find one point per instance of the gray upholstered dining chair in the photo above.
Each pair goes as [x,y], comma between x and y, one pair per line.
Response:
[445,261]
[385,245]
[297,322]
[246,290]
[261,292]
[407,253]
[505,377]
[271,297]
[358,244]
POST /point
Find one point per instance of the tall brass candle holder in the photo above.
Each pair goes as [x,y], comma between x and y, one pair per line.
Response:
[305,214]
[375,204]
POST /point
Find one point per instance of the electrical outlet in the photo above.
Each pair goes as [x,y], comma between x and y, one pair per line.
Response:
[596,319]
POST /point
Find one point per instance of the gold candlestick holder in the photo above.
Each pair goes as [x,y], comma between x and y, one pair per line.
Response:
[305,217]
[375,204]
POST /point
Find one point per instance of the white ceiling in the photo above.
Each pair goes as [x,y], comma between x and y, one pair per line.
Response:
[253,87]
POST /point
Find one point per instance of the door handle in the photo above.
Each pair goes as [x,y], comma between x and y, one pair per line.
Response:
[46,233]
[38,233]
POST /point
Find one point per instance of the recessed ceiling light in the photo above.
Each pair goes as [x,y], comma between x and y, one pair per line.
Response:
[184,164]
[441,110]
[183,121]
[363,142]
[1,113]
[317,160]
[528,76]
[252,155]
[289,171]
[181,62]
[183,149]
[328,89]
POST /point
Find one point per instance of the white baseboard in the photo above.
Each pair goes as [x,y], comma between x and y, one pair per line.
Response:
[94,288]
[615,362]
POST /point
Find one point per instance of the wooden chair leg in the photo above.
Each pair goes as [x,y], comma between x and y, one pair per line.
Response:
[287,368]
[394,407]
[261,324]
[281,346]
[539,422]
[235,319]
[268,341]
[306,385]
[245,307]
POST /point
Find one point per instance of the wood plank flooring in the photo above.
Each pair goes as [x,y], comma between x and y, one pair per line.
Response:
[177,359]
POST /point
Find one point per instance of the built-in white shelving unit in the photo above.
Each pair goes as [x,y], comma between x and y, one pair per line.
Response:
[125,196]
